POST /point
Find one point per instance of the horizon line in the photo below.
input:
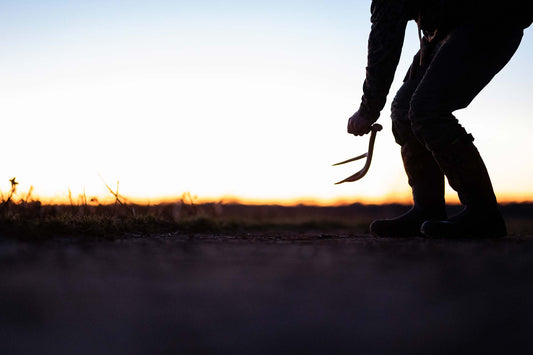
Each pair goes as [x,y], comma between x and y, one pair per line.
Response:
[189,198]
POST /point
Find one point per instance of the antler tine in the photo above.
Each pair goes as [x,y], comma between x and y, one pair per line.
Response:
[352,159]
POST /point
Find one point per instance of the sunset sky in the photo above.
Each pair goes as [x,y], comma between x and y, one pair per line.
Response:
[219,98]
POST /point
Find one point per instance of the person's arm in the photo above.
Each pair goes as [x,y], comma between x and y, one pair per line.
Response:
[389,20]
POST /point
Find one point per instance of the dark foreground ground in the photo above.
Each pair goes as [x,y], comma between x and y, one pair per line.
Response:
[266,293]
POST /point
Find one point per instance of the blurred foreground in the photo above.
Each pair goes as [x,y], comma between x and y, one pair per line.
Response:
[280,292]
[234,279]
[266,294]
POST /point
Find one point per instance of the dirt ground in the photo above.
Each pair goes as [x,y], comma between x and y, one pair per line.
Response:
[266,294]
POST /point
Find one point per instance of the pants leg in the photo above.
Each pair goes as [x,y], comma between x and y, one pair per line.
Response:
[468,59]
[465,63]
[424,175]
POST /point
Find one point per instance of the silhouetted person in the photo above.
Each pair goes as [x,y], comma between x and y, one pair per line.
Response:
[463,45]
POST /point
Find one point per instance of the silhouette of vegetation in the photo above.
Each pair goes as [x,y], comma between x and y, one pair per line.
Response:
[23,217]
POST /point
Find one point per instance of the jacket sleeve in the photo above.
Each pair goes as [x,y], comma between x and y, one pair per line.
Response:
[389,21]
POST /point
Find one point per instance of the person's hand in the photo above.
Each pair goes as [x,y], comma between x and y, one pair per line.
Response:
[359,124]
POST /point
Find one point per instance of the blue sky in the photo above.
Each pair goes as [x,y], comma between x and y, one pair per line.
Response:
[237,98]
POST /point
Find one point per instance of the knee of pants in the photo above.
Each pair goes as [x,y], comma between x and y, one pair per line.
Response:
[402,131]
[400,108]
[436,130]
[401,126]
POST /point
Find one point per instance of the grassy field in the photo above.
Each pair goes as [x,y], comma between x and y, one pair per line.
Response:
[35,220]
[24,217]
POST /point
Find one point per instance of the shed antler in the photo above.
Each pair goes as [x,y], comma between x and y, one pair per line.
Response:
[358,175]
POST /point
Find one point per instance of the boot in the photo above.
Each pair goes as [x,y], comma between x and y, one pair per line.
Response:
[467,174]
[427,184]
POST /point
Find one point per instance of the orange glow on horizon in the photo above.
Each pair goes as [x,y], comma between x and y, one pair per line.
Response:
[309,201]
